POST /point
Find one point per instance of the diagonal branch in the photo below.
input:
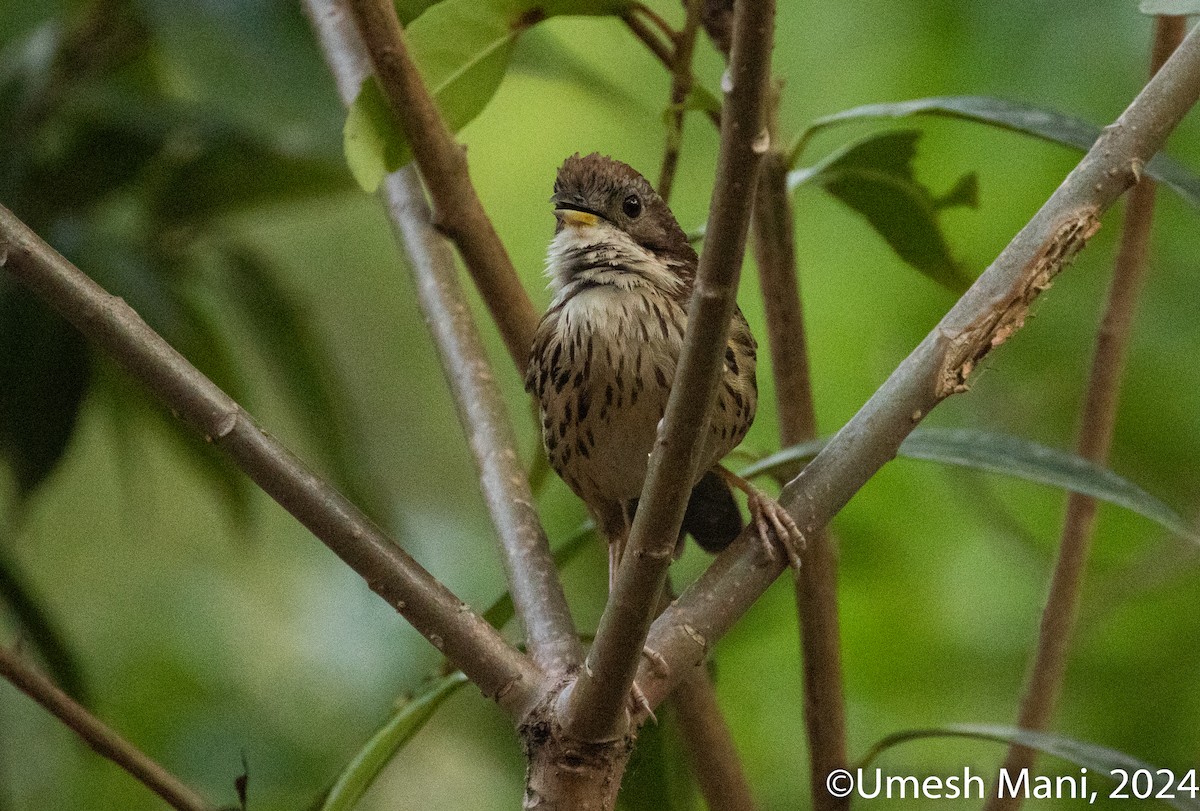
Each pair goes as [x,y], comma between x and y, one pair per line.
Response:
[816,581]
[532,577]
[708,744]
[501,672]
[443,165]
[593,705]
[1095,440]
[98,735]
[987,315]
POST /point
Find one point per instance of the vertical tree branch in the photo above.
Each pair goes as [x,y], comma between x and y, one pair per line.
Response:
[532,578]
[1095,441]
[816,581]
[681,85]
[989,313]
[478,649]
[709,745]
[443,164]
[594,704]
[98,735]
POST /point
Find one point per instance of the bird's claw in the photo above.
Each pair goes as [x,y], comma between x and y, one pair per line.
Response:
[770,518]
[639,703]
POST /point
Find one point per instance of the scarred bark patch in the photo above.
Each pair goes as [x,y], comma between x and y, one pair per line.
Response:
[995,326]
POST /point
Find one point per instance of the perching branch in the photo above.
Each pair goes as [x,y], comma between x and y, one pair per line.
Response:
[501,672]
[986,316]
[532,577]
[681,85]
[594,704]
[1095,440]
[443,164]
[98,735]
[816,581]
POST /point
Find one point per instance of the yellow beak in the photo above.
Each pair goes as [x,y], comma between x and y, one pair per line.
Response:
[579,219]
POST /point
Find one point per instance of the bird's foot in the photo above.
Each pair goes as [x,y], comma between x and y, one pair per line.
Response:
[772,523]
[638,703]
[769,516]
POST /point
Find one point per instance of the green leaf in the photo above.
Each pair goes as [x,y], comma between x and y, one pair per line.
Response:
[304,366]
[1175,8]
[501,612]
[874,177]
[36,626]
[405,722]
[233,171]
[1010,455]
[462,49]
[1024,118]
[1097,759]
[45,371]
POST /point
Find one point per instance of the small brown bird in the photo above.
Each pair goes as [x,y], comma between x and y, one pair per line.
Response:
[605,352]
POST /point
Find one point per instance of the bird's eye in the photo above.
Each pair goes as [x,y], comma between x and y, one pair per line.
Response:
[632,206]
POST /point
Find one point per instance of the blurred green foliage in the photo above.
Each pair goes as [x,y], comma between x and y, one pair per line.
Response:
[188,156]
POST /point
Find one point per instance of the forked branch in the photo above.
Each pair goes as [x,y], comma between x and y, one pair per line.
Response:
[594,704]
[985,317]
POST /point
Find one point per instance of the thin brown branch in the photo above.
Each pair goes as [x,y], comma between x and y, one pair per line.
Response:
[443,164]
[649,38]
[986,316]
[593,706]
[681,85]
[1097,423]
[98,735]
[709,745]
[501,672]
[816,581]
[532,578]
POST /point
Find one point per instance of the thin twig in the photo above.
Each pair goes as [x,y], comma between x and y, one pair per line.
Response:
[816,580]
[681,85]
[593,705]
[532,578]
[443,164]
[709,745]
[1097,423]
[98,735]
[500,671]
[987,315]
[649,38]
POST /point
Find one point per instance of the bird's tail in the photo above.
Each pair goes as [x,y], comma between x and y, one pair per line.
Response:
[712,516]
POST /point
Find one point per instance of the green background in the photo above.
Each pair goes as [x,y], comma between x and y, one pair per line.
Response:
[202,639]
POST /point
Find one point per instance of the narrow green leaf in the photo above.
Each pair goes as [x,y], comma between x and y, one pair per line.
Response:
[1176,8]
[1023,118]
[462,48]
[1010,455]
[235,171]
[874,176]
[45,371]
[1097,759]
[501,612]
[406,721]
[37,627]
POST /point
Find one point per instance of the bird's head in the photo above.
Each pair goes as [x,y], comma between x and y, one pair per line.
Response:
[596,193]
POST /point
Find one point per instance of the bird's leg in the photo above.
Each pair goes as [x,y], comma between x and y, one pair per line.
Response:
[768,515]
